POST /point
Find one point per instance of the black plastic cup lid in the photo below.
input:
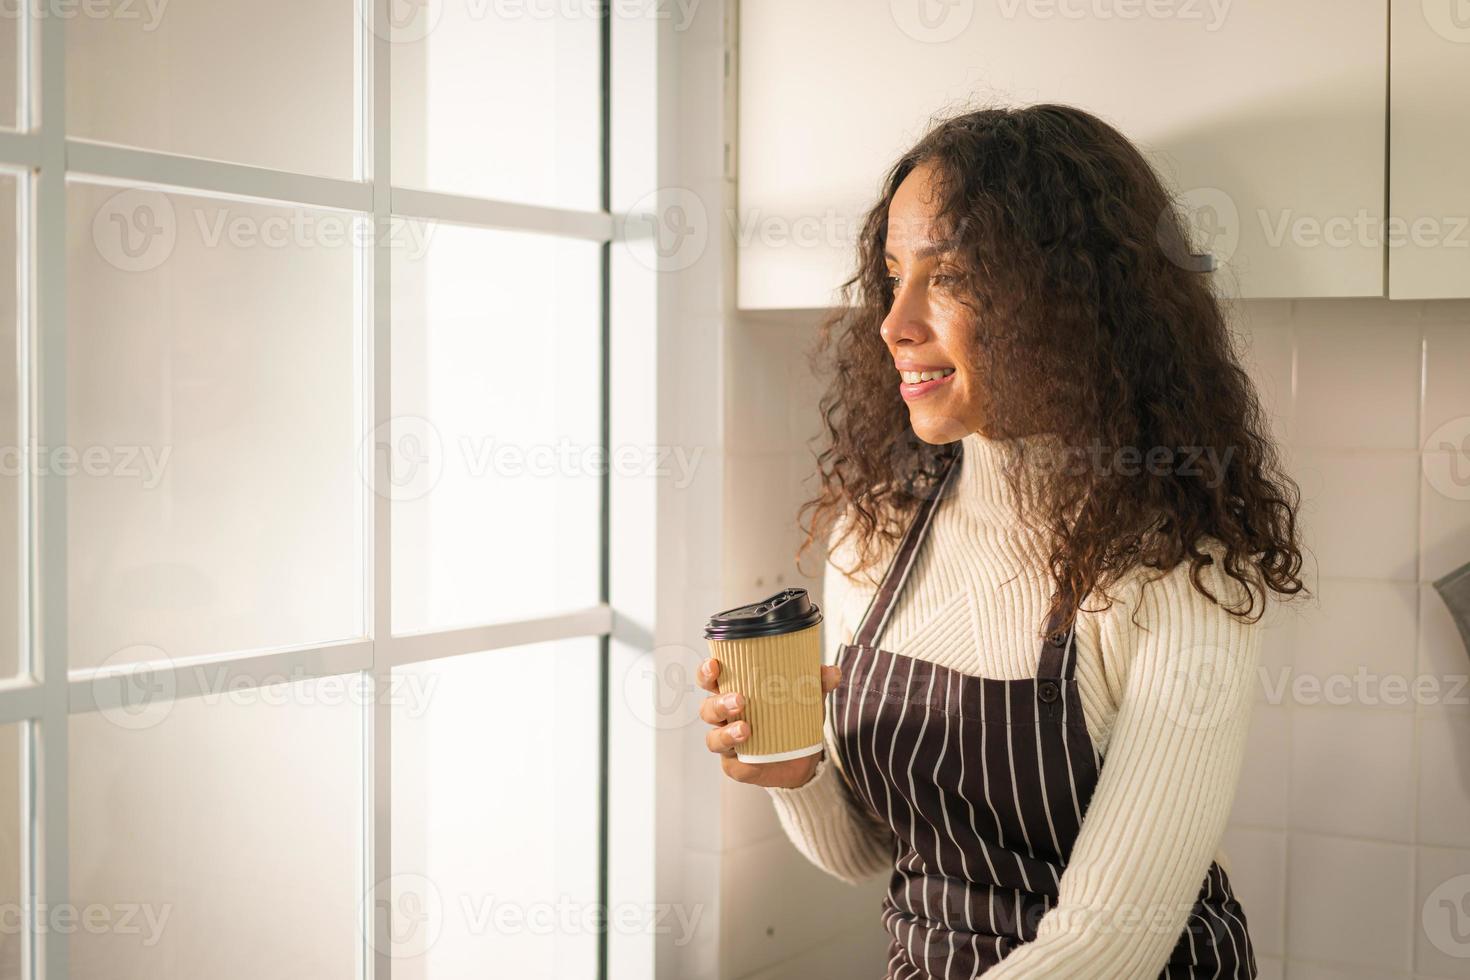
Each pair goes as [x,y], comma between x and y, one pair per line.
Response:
[785,612]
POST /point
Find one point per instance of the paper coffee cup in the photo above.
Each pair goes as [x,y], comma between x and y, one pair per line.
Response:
[771,652]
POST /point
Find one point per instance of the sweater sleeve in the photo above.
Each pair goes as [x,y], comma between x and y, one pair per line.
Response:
[1164,793]
[825,822]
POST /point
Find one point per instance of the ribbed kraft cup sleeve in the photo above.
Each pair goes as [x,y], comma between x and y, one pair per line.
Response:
[781,680]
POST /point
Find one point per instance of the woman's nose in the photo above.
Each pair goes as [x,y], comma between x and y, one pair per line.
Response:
[907,319]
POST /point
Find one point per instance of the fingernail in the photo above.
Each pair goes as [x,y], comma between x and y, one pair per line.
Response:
[704,668]
[737,731]
[731,701]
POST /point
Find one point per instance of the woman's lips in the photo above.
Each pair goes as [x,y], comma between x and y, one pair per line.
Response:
[922,388]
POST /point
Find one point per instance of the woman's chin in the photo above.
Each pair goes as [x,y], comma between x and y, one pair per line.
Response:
[936,427]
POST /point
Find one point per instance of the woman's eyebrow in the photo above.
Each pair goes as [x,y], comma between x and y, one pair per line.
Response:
[925,250]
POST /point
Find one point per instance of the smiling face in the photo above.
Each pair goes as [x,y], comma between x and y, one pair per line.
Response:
[928,331]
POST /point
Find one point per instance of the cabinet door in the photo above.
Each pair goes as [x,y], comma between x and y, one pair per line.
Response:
[1267,117]
[1429,150]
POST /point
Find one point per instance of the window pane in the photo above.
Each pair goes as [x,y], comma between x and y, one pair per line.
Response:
[228,825]
[212,377]
[495,814]
[12,842]
[12,557]
[9,64]
[268,82]
[495,445]
[499,100]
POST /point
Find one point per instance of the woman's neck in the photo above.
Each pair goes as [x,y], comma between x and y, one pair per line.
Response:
[983,488]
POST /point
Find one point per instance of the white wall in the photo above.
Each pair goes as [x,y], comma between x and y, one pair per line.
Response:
[668,325]
[781,916]
[1351,814]
[1348,815]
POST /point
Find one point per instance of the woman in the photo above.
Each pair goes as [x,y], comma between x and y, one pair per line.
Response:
[1055,521]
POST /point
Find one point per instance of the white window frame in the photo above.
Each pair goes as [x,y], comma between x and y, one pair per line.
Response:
[41,700]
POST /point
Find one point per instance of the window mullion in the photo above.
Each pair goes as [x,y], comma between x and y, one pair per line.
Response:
[132,167]
[376,97]
[47,953]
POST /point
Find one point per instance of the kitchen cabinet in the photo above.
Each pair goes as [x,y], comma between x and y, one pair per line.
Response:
[1429,151]
[1267,117]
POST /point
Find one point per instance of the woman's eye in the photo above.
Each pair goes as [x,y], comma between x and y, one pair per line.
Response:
[940,277]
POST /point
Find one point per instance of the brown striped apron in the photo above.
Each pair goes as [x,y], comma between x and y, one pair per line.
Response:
[984,783]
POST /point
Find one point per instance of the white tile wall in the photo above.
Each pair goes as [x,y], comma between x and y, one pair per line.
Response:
[1375,798]
[1258,878]
[1354,806]
[1349,901]
[784,918]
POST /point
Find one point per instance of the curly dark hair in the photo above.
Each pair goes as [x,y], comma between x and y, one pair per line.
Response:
[1095,326]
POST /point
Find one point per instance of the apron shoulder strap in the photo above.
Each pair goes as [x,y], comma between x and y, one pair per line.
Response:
[875,617]
[1058,649]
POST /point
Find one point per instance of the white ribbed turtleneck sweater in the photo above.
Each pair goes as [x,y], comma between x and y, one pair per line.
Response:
[1167,700]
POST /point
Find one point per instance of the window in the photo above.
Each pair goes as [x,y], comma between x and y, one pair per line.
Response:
[304,561]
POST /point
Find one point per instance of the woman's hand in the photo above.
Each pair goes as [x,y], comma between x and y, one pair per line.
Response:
[731,730]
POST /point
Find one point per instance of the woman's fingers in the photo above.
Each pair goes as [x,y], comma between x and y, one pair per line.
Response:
[725,738]
[831,675]
[720,708]
[709,674]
